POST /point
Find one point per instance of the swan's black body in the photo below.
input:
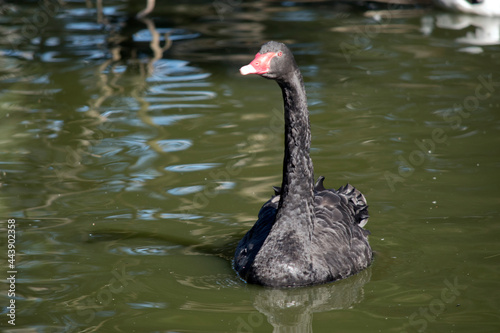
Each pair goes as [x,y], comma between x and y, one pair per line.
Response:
[305,234]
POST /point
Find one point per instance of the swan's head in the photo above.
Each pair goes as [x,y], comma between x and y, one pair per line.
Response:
[274,61]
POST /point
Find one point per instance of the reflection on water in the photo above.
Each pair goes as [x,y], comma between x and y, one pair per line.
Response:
[485,30]
[133,158]
[292,310]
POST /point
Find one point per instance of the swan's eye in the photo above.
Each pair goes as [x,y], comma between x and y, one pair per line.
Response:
[257,63]
[280,54]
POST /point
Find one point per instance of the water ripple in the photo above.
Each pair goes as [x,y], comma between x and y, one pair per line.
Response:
[186,190]
[174,145]
[169,216]
[173,34]
[52,56]
[148,305]
[191,167]
[85,26]
[157,250]
[169,120]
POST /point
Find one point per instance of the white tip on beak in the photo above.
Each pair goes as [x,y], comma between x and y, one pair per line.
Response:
[248,69]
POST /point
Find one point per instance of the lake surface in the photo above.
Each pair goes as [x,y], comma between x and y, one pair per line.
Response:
[134,156]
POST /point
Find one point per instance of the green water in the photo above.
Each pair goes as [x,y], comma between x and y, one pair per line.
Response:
[131,178]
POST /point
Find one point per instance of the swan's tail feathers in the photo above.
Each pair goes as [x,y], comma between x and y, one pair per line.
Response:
[277,190]
[358,201]
[319,184]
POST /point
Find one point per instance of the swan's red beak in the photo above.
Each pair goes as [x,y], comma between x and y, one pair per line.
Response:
[260,65]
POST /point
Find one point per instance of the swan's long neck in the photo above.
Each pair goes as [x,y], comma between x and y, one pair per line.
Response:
[298,179]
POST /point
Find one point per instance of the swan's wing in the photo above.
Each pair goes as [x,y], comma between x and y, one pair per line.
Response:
[357,201]
[250,244]
[338,233]
[334,220]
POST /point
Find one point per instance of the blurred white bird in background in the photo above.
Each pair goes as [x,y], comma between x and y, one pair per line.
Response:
[477,7]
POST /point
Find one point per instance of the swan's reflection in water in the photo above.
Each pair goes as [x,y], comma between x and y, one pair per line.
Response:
[291,310]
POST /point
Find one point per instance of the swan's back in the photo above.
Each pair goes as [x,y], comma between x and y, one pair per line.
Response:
[339,245]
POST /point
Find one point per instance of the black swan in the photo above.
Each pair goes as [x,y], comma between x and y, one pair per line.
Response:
[305,234]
